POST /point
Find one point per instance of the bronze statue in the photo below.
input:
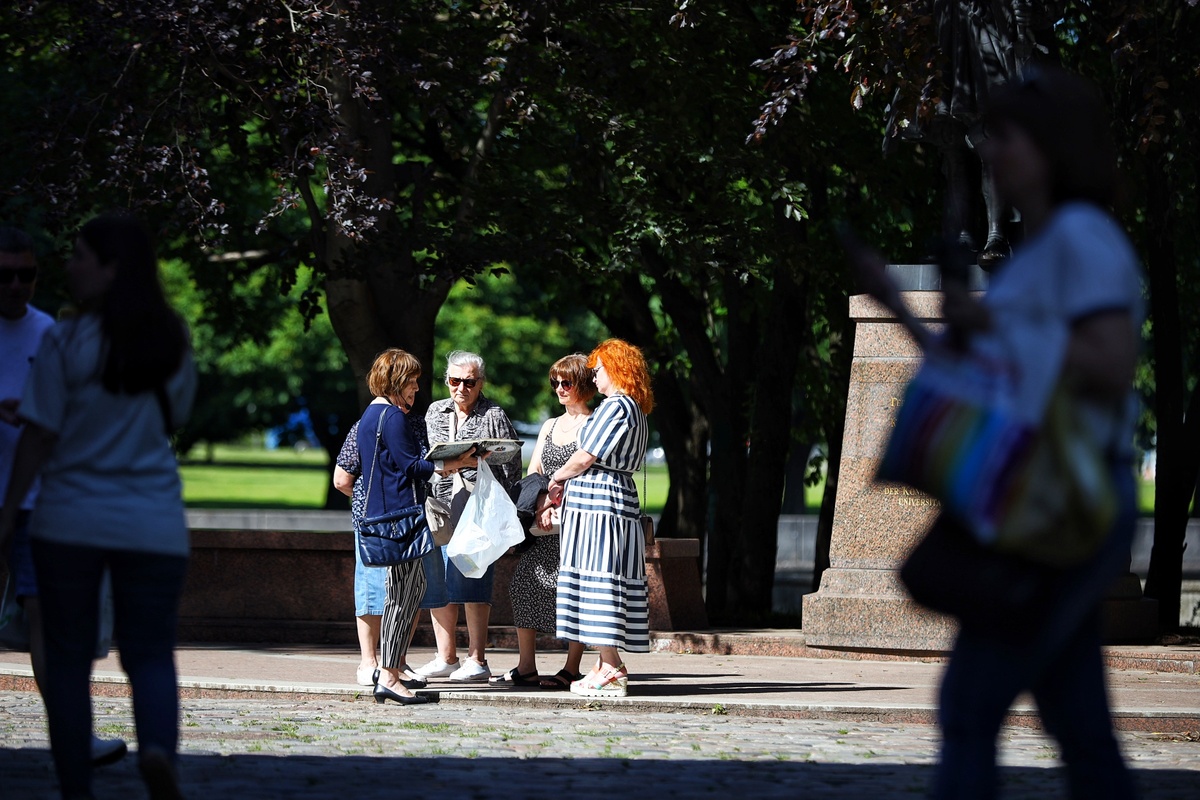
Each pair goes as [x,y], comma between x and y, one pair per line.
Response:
[984,44]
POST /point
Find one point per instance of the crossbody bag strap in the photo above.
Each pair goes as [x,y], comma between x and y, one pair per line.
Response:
[375,460]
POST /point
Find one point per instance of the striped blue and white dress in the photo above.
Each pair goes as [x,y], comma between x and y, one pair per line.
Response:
[602,572]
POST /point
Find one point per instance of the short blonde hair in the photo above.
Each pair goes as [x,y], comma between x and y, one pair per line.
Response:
[392,370]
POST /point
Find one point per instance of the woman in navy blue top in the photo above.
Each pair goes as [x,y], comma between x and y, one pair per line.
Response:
[396,477]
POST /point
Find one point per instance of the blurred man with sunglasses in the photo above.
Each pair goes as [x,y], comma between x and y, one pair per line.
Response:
[21,330]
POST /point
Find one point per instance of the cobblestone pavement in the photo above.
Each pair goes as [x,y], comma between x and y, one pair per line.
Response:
[355,749]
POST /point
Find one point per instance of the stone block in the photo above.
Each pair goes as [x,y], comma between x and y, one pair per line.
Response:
[297,586]
[676,598]
[269,586]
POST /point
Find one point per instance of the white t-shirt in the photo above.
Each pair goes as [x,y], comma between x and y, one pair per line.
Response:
[19,340]
[1080,264]
[112,480]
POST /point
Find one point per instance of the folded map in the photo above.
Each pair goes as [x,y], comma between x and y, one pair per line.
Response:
[443,451]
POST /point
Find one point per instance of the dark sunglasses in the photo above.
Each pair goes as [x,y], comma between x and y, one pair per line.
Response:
[22,274]
[568,385]
[468,382]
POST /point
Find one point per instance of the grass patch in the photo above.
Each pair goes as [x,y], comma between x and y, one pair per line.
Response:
[657,483]
[240,486]
[246,476]
[249,476]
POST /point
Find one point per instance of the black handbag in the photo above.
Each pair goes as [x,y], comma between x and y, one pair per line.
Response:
[393,537]
[950,572]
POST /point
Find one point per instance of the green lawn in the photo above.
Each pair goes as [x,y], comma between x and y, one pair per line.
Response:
[243,476]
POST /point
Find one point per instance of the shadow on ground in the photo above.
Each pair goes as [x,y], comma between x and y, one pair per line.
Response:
[28,775]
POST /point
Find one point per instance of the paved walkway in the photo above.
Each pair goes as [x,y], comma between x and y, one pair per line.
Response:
[283,721]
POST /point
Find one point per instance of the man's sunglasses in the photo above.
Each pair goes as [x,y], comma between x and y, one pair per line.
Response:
[22,274]
[468,382]
[568,385]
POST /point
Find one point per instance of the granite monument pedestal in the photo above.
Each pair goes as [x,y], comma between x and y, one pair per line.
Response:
[861,604]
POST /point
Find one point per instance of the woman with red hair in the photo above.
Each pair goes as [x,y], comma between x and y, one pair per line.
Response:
[602,573]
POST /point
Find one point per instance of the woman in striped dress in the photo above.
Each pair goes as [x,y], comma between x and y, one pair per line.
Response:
[602,574]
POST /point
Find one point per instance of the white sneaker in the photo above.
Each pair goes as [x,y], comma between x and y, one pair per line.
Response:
[366,676]
[438,668]
[107,751]
[471,671]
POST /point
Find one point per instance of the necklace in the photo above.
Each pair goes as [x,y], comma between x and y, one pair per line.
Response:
[575,421]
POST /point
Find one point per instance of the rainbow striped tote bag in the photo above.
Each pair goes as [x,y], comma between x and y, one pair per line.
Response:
[1029,482]
[958,438]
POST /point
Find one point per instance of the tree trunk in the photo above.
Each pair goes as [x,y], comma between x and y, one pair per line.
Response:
[751,586]
[376,296]
[727,471]
[1178,440]
[729,413]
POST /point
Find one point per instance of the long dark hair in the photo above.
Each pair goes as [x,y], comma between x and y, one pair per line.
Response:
[1067,119]
[146,340]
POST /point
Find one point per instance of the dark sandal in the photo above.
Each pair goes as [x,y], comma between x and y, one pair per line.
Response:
[514,678]
[559,681]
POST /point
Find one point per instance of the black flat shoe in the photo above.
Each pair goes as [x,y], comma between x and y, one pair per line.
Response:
[107,751]
[383,694]
[516,679]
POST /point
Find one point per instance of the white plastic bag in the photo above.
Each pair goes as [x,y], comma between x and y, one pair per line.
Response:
[487,528]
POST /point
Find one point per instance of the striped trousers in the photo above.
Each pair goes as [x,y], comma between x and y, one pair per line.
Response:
[405,587]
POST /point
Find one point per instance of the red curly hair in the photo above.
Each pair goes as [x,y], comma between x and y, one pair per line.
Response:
[626,368]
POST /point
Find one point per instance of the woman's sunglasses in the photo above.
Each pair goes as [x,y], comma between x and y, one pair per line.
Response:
[568,385]
[468,382]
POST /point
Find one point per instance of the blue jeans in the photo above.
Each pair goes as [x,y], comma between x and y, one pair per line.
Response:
[146,589]
[1060,663]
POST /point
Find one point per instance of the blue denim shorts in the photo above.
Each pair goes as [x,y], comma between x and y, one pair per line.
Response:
[446,584]
[370,585]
